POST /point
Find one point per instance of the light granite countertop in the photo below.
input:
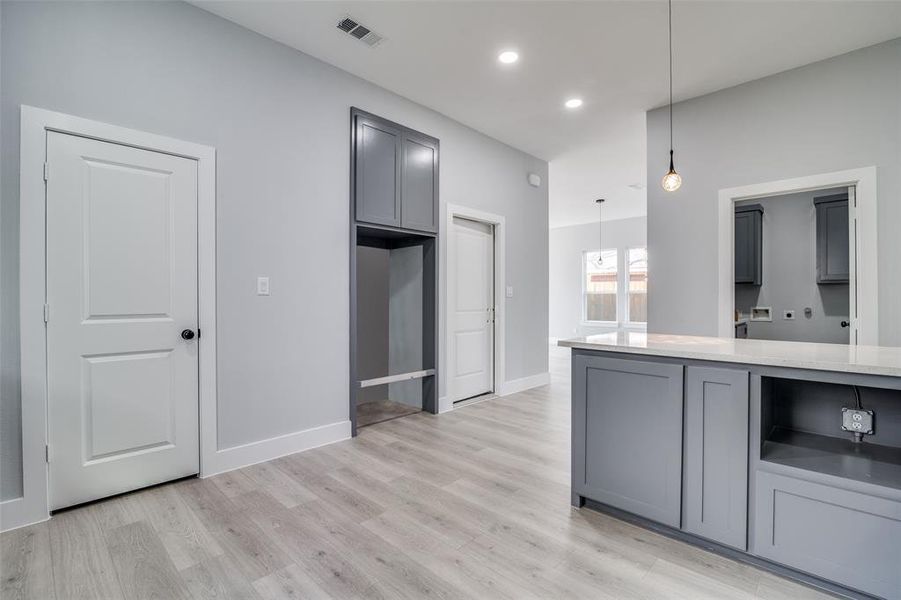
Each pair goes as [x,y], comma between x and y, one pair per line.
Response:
[868,360]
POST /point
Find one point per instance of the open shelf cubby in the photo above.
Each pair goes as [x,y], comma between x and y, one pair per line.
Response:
[801,428]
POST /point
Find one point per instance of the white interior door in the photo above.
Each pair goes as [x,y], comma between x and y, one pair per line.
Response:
[472,362]
[121,288]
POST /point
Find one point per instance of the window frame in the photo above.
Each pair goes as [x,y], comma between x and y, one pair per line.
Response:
[622,291]
[628,280]
[584,318]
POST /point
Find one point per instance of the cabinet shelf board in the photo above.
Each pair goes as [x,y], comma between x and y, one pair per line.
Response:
[864,462]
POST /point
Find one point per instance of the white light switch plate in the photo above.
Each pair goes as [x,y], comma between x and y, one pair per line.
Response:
[262,286]
[509,291]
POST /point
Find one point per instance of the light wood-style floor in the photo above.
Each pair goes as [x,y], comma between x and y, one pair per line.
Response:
[376,411]
[471,504]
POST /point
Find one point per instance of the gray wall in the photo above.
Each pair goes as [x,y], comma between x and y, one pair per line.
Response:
[789,276]
[837,114]
[372,319]
[566,247]
[405,323]
[280,123]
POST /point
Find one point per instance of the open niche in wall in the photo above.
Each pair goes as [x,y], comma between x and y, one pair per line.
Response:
[394,268]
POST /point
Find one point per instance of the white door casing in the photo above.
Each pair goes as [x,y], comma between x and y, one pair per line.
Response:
[853,319]
[472,267]
[121,286]
[863,242]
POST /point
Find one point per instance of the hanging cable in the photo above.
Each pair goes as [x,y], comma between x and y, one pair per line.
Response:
[600,203]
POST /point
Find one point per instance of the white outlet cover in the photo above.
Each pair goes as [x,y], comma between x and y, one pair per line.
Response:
[509,291]
[262,286]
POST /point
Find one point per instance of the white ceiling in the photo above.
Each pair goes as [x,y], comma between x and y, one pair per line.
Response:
[612,54]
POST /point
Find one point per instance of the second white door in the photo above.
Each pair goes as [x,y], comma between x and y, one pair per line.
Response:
[122,318]
[472,267]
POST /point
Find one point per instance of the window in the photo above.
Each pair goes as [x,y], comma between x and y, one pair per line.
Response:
[638,285]
[615,289]
[600,286]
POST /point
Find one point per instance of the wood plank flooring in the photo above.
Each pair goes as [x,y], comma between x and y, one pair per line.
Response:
[376,411]
[470,504]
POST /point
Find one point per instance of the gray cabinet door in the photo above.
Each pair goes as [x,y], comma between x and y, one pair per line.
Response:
[749,244]
[848,537]
[833,253]
[419,191]
[378,167]
[627,435]
[716,455]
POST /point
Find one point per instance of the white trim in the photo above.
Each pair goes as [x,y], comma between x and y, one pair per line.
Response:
[622,293]
[35,123]
[445,403]
[524,383]
[867,284]
[253,453]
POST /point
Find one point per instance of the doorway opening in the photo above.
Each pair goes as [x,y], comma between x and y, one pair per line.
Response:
[794,261]
[858,266]
[99,414]
[473,303]
[475,311]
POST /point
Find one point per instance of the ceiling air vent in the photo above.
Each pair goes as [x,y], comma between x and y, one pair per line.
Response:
[361,32]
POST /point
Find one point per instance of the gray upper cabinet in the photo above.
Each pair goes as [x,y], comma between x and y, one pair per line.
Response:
[395,171]
[419,188]
[749,244]
[715,502]
[833,256]
[627,435]
[378,168]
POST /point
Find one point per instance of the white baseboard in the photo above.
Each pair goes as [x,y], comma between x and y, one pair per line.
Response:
[15,513]
[245,455]
[445,405]
[524,383]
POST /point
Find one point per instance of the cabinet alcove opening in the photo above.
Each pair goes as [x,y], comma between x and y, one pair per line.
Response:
[395,311]
[801,428]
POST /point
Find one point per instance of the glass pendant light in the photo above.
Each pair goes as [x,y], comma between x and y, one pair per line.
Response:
[600,261]
[672,181]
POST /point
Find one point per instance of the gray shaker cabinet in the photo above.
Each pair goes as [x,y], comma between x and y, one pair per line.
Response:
[378,171]
[749,244]
[833,256]
[715,503]
[395,175]
[419,187]
[845,536]
[627,435]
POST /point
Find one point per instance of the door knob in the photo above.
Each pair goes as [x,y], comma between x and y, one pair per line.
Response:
[845,324]
[187,334]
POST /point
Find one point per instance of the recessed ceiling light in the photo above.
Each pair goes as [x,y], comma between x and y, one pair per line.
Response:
[508,57]
[573,103]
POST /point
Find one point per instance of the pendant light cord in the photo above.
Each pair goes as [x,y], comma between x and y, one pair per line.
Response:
[671,79]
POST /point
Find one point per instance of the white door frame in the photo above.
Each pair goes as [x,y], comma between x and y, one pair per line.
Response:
[35,123]
[446,403]
[865,277]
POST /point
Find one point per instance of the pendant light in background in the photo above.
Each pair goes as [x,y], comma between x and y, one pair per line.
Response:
[600,260]
[672,181]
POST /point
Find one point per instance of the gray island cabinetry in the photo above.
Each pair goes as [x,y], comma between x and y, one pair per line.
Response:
[737,445]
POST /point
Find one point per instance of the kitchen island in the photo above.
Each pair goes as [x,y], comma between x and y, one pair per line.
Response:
[738,445]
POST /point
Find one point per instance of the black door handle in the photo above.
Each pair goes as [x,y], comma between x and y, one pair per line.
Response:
[845,324]
[187,334]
